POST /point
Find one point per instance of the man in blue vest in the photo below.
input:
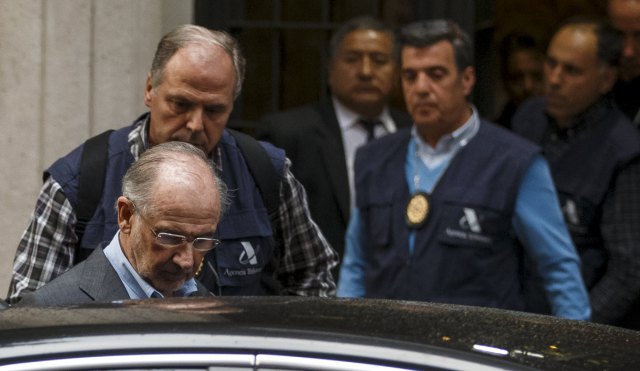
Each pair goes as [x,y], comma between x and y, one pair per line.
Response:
[168,213]
[195,77]
[594,154]
[448,211]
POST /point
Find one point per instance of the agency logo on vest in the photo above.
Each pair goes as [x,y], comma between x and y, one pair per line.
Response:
[247,260]
[470,227]
[248,256]
[470,221]
[570,211]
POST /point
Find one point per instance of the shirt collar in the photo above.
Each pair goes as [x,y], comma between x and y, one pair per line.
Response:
[135,285]
[453,141]
[589,117]
[348,118]
[138,137]
[138,140]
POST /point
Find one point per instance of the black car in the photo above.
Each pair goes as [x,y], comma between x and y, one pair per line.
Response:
[294,333]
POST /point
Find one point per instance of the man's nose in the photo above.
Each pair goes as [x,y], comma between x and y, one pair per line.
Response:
[196,120]
[628,48]
[183,256]
[553,75]
[366,67]
[423,83]
[529,84]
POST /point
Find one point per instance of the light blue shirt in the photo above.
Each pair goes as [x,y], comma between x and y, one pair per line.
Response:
[424,175]
[136,286]
[537,221]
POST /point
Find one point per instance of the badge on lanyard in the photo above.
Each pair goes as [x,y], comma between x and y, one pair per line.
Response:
[417,210]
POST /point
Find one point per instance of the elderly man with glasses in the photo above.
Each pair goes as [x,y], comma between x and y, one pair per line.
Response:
[166,226]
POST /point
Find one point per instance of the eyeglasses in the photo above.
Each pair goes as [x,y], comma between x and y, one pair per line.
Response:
[170,240]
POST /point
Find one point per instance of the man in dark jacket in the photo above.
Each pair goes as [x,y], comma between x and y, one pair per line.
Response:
[594,154]
[321,139]
[625,17]
[168,213]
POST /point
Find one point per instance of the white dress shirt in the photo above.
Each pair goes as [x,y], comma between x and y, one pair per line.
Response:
[355,135]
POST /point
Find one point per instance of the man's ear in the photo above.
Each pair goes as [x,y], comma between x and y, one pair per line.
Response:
[125,212]
[148,91]
[468,80]
[609,78]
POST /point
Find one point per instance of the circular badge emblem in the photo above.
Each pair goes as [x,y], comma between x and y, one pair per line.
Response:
[417,210]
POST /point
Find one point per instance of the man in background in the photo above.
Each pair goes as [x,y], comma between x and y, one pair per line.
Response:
[321,138]
[594,154]
[521,73]
[625,17]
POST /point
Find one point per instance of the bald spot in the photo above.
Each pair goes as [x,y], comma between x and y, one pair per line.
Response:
[186,188]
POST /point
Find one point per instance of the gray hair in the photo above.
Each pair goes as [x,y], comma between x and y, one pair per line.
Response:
[186,35]
[426,33]
[138,182]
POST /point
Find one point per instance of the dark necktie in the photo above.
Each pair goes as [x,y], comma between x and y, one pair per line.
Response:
[370,126]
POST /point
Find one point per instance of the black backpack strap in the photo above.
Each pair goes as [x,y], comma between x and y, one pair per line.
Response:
[262,171]
[268,181]
[93,165]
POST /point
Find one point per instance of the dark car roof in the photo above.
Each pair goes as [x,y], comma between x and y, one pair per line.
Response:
[338,327]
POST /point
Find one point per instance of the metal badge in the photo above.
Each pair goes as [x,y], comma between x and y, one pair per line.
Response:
[417,210]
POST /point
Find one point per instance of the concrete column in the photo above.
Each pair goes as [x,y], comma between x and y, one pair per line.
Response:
[69,69]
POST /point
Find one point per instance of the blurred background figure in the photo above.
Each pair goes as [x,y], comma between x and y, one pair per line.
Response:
[321,138]
[521,72]
[625,17]
[594,154]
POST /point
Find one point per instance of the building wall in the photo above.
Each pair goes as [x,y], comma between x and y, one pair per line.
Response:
[69,69]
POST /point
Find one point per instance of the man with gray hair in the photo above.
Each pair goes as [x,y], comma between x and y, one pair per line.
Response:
[194,79]
[447,210]
[168,212]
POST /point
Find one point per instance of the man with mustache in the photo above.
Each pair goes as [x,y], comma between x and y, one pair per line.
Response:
[594,154]
[195,76]
[448,210]
[321,138]
[168,213]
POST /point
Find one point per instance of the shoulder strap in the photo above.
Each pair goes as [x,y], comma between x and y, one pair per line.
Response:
[93,164]
[262,171]
[268,182]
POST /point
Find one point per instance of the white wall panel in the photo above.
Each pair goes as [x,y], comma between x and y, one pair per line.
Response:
[67,47]
[69,69]
[21,103]
[126,34]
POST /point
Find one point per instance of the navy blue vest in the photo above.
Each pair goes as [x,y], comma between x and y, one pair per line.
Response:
[584,171]
[104,223]
[453,261]
[245,228]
